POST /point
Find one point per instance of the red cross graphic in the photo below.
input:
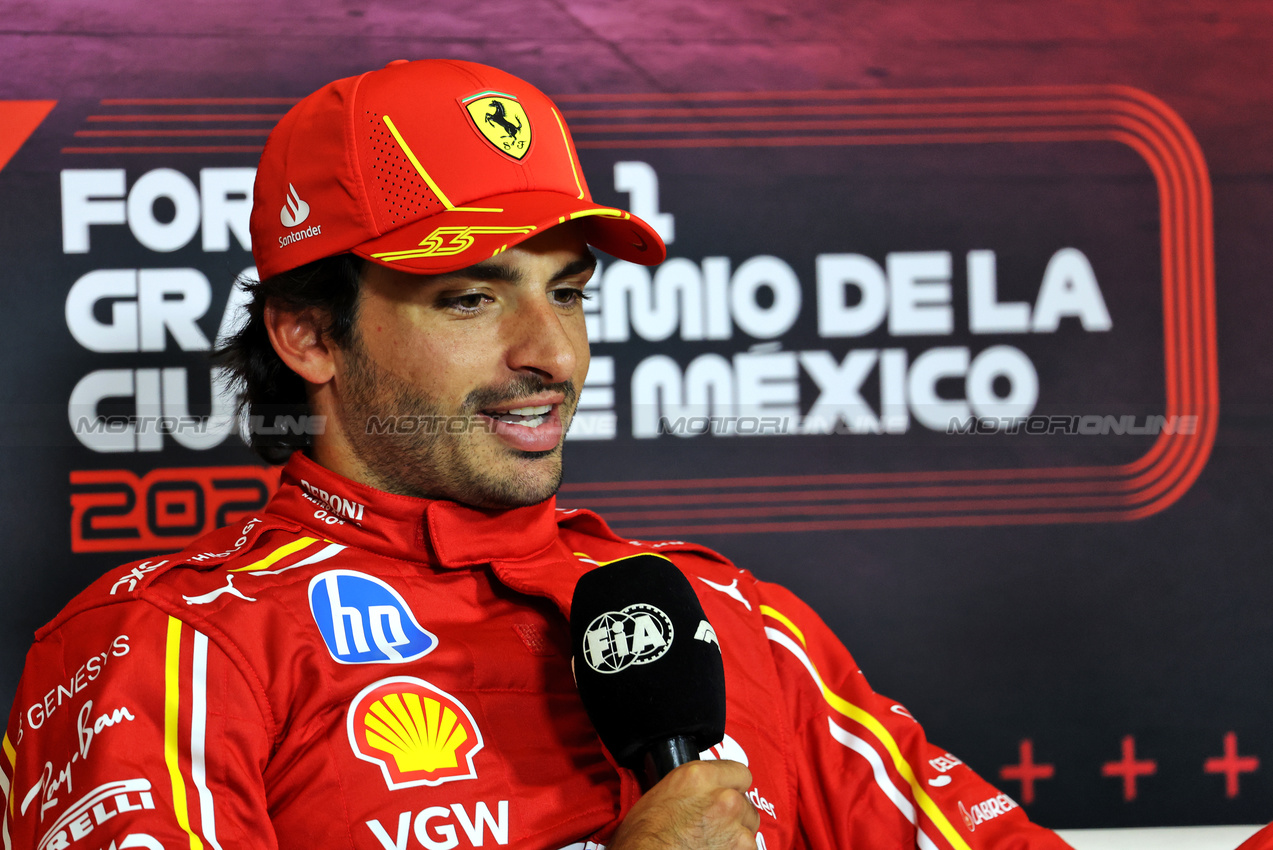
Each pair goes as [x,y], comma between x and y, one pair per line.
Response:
[1129,768]
[1231,764]
[1026,770]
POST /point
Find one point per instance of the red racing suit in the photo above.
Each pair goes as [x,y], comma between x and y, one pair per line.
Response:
[353,669]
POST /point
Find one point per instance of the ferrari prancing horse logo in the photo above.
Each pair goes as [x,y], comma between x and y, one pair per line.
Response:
[501,120]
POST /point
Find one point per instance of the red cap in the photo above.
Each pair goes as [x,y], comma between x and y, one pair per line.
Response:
[427,167]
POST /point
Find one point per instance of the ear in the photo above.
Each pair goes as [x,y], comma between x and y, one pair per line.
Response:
[297,336]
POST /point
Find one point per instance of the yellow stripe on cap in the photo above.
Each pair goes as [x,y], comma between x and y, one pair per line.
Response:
[565,139]
[424,175]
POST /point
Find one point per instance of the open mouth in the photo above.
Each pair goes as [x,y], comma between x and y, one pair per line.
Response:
[527,417]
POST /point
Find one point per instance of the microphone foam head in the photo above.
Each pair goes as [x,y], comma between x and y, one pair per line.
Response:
[646,660]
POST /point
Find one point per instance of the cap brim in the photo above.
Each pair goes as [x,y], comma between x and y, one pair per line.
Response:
[463,236]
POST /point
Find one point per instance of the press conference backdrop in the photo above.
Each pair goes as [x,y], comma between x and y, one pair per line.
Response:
[962,334]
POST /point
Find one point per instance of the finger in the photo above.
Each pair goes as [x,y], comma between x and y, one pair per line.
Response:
[697,776]
[730,774]
[751,817]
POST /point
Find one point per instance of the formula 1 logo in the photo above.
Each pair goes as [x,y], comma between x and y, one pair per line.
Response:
[418,734]
[365,621]
[616,640]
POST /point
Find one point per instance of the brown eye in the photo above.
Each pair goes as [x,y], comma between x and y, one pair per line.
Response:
[469,302]
[569,296]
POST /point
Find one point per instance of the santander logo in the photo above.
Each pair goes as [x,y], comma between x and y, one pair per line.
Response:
[732,750]
[295,211]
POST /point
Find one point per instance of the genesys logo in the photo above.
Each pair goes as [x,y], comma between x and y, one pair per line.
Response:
[616,640]
[417,733]
[986,810]
[365,621]
[37,713]
[96,808]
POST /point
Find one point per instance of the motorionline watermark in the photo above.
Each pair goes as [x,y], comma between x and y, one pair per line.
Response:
[684,426]
[421,424]
[304,424]
[283,425]
[1084,425]
[1037,425]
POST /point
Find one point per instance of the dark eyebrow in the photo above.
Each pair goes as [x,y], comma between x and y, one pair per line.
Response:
[491,270]
[586,263]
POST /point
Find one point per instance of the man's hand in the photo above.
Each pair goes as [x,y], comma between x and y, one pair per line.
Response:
[699,806]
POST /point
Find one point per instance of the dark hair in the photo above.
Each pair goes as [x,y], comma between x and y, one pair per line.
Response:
[272,395]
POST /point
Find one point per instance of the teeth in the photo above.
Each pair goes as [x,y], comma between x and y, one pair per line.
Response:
[531,411]
[529,423]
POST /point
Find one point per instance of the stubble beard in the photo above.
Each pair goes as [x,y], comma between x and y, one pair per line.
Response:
[430,461]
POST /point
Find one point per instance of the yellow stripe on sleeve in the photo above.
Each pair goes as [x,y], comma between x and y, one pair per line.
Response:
[880,731]
[12,756]
[172,690]
[782,618]
[277,555]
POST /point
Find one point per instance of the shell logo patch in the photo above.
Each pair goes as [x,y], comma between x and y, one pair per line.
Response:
[501,120]
[416,733]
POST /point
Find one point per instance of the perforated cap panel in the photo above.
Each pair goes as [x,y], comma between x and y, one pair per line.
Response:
[402,195]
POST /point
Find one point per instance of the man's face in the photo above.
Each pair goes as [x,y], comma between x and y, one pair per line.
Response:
[484,366]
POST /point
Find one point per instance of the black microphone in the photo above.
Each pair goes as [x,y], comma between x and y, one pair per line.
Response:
[647,664]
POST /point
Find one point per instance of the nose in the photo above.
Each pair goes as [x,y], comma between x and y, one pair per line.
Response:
[539,341]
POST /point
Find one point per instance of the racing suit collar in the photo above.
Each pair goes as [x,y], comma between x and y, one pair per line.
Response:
[434,531]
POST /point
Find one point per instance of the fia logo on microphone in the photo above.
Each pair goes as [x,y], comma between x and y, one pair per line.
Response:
[616,640]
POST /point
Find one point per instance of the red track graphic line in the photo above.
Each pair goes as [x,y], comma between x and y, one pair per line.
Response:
[664,532]
[963,505]
[151,134]
[170,149]
[200,101]
[207,116]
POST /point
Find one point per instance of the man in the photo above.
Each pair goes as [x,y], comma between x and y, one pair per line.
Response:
[380,658]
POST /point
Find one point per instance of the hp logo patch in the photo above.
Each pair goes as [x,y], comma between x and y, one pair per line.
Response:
[616,640]
[365,621]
